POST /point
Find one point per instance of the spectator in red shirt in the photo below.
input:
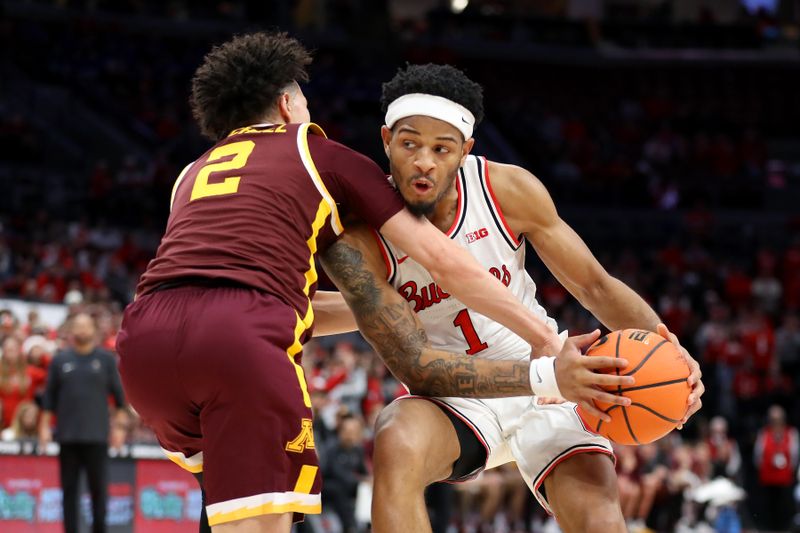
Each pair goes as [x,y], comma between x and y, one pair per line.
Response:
[776,457]
[18,380]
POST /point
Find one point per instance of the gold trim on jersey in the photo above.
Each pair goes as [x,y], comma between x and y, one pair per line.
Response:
[304,323]
[178,182]
[261,504]
[300,327]
[308,161]
[193,464]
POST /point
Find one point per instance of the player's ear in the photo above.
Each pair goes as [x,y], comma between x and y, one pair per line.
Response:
[285,107]
[466,148]
[386,135]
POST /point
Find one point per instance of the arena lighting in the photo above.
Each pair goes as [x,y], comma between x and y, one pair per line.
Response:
[457,6]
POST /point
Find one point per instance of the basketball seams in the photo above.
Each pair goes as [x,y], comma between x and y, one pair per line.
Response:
[653,412]
[648,419]
[628,423]
[645,358]
[607,411]
[654,385]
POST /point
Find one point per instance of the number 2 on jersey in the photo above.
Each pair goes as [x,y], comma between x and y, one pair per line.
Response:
[240,151]
[464,322]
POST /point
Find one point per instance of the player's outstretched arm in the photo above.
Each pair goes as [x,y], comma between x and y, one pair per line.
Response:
[569,259]
[389,323]
[457,272]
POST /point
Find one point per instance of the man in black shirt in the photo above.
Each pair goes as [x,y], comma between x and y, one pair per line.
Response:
[79,382]
[343,468]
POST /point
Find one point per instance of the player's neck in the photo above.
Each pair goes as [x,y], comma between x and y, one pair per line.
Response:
[272,118]
[444,212]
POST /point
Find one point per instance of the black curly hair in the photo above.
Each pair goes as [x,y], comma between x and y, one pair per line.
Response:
[439,80]
[240,80]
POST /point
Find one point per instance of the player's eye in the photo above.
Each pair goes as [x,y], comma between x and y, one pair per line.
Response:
[408,144]
[442,150]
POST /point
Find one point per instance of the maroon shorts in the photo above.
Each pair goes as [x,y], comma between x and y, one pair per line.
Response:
[215,373]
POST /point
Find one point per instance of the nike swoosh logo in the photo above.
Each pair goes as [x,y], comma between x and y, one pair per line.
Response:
[465,121]
[400,261]
[538,377]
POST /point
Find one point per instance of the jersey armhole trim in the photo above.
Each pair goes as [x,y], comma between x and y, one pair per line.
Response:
[311,168]
[178,182]
[461,210]
[494,205]
[388,257]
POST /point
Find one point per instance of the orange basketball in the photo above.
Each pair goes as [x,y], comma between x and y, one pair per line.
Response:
[658,397]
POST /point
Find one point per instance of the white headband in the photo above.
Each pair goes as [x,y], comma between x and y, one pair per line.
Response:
[431,106]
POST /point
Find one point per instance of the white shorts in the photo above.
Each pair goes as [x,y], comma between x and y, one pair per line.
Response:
[536,437]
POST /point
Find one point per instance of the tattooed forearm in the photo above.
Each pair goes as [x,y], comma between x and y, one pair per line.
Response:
[390,325]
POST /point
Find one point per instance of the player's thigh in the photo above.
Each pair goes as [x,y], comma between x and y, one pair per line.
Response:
[274,523]
[546,437]
[259,455]
[415,432]
[149,345]
[592,476]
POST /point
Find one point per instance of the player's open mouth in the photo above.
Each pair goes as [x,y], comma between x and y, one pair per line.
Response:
[422,185]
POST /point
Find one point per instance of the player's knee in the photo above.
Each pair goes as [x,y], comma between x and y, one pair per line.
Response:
[396,442]
[599,506]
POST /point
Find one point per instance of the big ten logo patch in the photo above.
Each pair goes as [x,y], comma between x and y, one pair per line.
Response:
[477,235]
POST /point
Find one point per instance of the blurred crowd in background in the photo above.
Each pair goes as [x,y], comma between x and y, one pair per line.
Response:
[665,130]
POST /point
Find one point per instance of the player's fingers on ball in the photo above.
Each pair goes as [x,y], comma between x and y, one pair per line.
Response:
[698,404]
[695,368]
[614,399]
[662,330]
[598,362]
[700,389]
[610,380]
[583,341]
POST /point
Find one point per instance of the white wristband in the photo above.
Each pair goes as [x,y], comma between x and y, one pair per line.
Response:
[543,377]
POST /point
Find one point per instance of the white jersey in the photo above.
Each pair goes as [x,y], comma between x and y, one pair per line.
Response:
[479,226]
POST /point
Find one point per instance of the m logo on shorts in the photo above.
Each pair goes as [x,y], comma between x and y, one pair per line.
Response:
[305,440]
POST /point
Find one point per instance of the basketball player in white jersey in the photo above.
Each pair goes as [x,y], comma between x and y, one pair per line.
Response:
[490,209]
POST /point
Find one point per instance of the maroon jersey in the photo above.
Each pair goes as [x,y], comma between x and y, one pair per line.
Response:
[256,208]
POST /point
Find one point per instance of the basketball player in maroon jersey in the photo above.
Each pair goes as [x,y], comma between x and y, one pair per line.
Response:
[209,350]
[449,435]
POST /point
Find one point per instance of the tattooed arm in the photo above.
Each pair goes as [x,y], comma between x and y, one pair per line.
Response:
[390,325]
[331,314]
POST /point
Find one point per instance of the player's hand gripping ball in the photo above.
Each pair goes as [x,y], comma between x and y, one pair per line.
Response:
[659,396]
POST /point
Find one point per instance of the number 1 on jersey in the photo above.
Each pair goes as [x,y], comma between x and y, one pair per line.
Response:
[464,322]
